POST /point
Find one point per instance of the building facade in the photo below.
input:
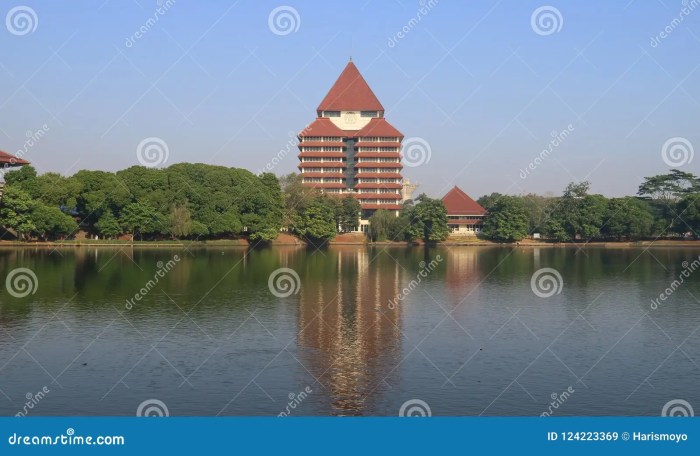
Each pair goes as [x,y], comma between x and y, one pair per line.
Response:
[464,215]
[351,149]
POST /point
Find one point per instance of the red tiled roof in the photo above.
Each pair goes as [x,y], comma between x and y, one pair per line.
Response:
[379,126]
[386,175]
[458,202]
[377,144]
[382,185]
[11,160]
[465,222]
[322,165]
[316,174]
[322,144]
[322,126]
[350,93]
[379,165]
[321,154]
[390,207]
[378,196]
[324,185]
[377,155]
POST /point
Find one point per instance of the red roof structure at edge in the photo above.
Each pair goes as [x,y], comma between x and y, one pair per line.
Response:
[350,93]
[459,203]
[11,160]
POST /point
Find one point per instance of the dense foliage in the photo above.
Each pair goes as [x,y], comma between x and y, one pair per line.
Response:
[668,205]
[183,201]
[198,201]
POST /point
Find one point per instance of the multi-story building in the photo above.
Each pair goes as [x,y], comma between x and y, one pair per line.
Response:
[351,149]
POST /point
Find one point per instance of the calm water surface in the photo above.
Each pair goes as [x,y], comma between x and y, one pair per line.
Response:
[470,338]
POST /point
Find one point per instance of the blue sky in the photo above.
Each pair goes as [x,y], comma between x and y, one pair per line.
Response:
[474,80]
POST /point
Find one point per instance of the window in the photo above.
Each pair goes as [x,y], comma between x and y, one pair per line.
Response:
[331,113]
[369,113]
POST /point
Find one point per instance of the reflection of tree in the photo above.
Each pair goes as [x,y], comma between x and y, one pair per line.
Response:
[349,338]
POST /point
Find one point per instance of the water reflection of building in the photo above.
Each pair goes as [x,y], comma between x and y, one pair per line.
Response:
[348,337]
[462,273]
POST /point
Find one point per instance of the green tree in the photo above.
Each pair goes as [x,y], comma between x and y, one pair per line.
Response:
[428,220]
[576,215]
[669,186]
[262,209]
[179,221]
[16,211]
[297,198]
[507,220]
[487,201]
[379,225]
[25,179]
[140,218]
[664,191]
[689,222]
[199,230]
[51,223]
[317,222]
[628,217]
[349,217]
[108,225]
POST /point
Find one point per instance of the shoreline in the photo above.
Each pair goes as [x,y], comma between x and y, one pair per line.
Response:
[345,243]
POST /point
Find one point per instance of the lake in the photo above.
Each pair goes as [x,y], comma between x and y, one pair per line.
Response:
[348,331]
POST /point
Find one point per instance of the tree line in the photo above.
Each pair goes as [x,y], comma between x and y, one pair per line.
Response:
[200,202]
[666,205]
[183,201]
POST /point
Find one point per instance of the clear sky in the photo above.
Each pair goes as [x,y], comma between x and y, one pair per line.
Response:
[481,83]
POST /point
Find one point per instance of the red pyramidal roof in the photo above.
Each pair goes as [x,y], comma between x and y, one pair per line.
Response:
[350,93]
[459,203]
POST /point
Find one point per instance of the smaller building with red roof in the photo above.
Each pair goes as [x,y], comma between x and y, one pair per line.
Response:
[464,215]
